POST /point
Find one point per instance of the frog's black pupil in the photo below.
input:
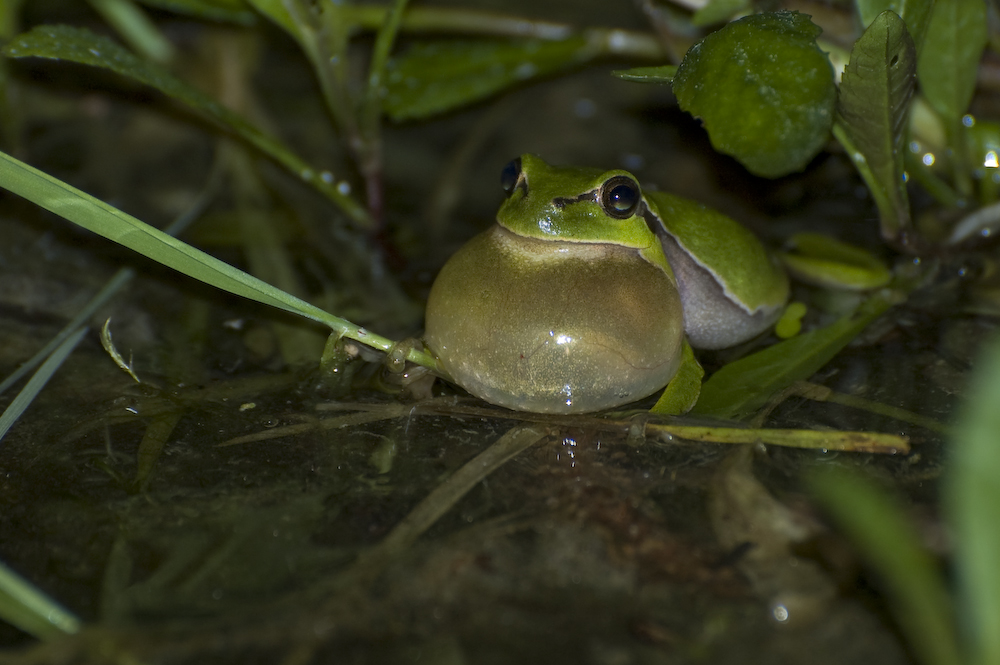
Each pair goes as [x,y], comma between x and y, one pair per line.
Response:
[620,196]
[510,175]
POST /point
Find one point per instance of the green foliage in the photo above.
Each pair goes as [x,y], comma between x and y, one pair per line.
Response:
[764,90]
[952,49]
[941,629]
[915,13]
[27,607]
[81,46]
[818,259]
[743,386]
[233,11]
[875,93]
[105,220]
[971,498]
[435,77]
[878,526]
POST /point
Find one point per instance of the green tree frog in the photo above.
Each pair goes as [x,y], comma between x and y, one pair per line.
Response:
[579,298]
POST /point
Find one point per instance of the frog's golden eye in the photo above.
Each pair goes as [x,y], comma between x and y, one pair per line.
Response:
[510,175]
[620,196]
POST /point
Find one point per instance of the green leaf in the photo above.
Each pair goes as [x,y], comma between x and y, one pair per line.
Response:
[875,93]
[432,78]
[880,529]
[763,89]
[972,498]
[915,13]
[743,386]
[661,74]
[231,11]
[950,58]
[62,42]
[818,259]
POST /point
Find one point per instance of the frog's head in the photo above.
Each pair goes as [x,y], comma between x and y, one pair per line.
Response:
[573,204]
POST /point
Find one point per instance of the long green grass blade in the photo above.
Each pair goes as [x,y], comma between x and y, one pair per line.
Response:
[745,385]
[111,287]
[25,606]
[881,531]
[972,499]
[105,220]
[61,42]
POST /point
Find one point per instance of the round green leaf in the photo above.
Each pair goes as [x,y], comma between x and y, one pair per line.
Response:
[763,89]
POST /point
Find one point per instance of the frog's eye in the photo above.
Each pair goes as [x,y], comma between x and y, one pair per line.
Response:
[510,175]
[620,196]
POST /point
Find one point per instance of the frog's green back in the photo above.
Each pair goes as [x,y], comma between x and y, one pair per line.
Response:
[747,272]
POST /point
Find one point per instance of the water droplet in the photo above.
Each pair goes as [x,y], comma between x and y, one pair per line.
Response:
[584,108]
[326,177]
[344,187]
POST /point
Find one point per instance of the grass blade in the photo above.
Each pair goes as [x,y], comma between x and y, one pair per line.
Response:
[972,499]
[105,220]
[881,531]
[25,606]
[38,381]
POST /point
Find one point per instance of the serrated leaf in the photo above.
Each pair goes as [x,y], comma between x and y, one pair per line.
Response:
[875,93]
[743,386]
[763,89]
[662,74]
[61,42]
[956,37]
[915,13]
[231,11]
[432,78]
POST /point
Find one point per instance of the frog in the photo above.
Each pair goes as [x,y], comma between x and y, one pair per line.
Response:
[588,292]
